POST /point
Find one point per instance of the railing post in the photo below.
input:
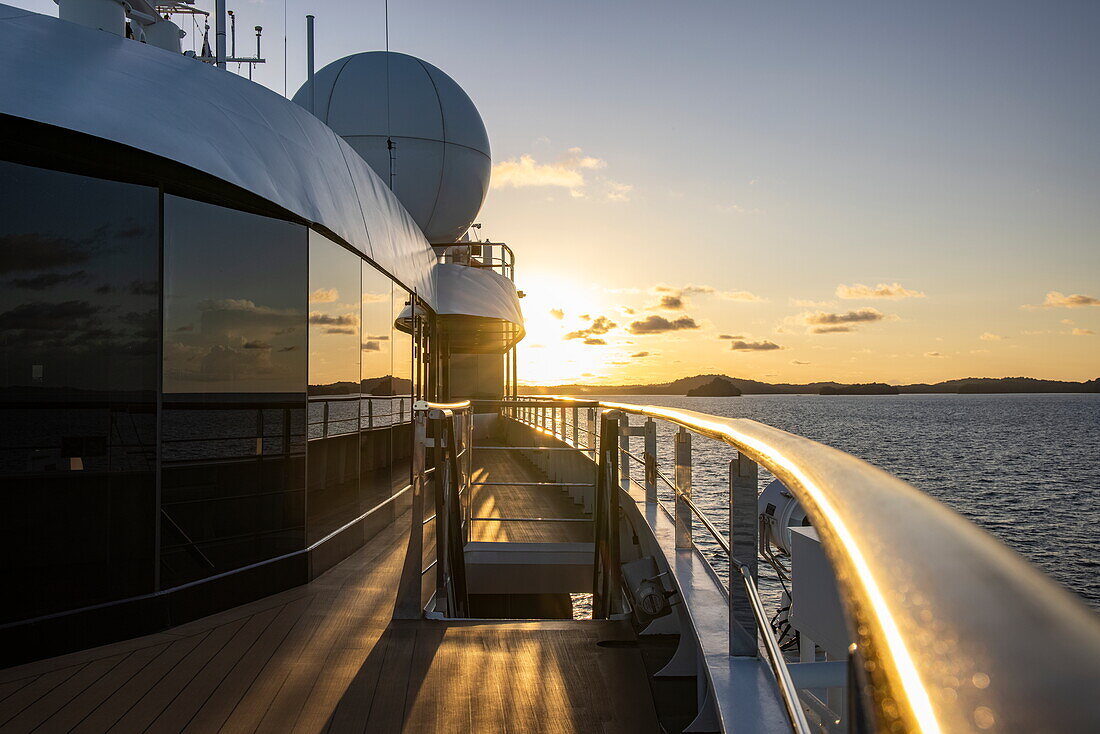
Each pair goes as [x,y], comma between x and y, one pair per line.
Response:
[683,488]
[650,457]
[605,567]
[592,438]
[576,428]
[409,604]
[743,546]
[324,419]
[624,449]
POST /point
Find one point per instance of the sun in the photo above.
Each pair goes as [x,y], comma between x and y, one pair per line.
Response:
[552,308]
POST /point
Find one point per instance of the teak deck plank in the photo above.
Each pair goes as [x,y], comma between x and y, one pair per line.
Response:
[520,501]
[69,716]
[59,697]
[119,702]
[326,656]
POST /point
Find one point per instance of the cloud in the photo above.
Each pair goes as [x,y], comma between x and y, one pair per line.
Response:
[618,191]
[934,355]
[557,313]
[639,355]
[48,316]
[829,322]
[673,298]
[375,297]
[324,295]
[760,346]
[324,319]
[671,303]
[743,296]
[795,361]
[32,251]
[595,342]
[567,172]
[735,208]
[257,344]
[803,303]
[730,336]
[44,281]
[144,287]
[655,324]
[339,330]
[598,326]
[371,346]
[1082,332]
[882,290]
[988,337]
[1057,299]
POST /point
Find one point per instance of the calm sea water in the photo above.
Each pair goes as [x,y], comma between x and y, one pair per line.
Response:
[1024,467]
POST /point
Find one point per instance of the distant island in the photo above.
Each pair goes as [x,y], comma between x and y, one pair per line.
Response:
[691,385]
[719,387]
[870,388]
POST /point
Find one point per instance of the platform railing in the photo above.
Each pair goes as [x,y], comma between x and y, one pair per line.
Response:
[953,631]
[446,429]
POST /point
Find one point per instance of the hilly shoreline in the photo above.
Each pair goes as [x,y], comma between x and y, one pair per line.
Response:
[964,386]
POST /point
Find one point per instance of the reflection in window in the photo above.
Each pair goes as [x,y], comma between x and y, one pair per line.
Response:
[233,412]
[334,386]
[376,438]
[79,330]
[402,386]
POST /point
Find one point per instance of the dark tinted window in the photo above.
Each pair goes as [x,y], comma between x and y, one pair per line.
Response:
[378,406]
[79,332]
[234,408]
[403,384]
[334,386]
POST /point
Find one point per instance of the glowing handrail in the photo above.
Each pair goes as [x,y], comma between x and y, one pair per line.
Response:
[955,631]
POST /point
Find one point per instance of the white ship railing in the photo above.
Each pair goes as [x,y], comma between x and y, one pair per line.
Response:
[953,631]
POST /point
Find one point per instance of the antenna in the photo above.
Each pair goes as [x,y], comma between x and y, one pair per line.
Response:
[391,147]
[232,33]
[219,32]
[309,64]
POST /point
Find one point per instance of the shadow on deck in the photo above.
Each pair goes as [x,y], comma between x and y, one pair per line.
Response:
[326,656]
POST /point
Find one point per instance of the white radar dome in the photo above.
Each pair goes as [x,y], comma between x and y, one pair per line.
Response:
[440,162]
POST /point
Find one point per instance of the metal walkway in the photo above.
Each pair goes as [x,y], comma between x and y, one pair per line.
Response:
[327,657]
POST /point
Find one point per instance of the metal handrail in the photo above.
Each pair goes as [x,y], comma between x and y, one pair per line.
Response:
[942,613]
[775,655]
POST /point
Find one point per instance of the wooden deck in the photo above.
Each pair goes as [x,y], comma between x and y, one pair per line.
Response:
[326,657]
[521,502]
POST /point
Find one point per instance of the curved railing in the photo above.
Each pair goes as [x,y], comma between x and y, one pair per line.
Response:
[953,631]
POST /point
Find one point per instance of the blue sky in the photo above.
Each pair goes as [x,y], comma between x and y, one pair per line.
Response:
[780,149]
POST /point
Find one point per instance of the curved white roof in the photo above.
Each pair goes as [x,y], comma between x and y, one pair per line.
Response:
[167,104]
[468,291]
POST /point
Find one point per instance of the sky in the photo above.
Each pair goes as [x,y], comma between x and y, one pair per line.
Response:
[788,192]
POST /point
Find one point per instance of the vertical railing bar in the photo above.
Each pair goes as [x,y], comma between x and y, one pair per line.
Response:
[650,457]
[683,488]
[624,447]
[576,428]
[742,555]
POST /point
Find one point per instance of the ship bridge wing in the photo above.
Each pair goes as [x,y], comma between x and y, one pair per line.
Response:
[478,308]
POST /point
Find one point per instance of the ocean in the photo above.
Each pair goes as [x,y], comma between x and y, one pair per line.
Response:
[1026,468]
